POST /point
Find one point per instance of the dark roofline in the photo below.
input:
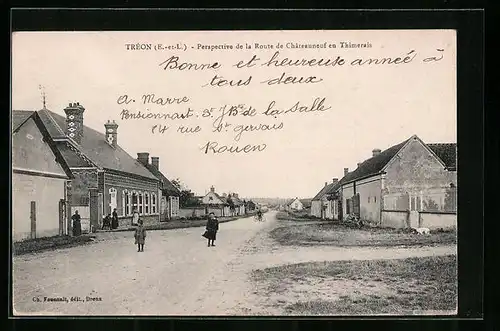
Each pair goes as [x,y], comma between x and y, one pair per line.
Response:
[46,138]
[15,129]
[130,174]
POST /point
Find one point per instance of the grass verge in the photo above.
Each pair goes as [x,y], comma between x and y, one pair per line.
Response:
[401,286]
[49,243]
[329,233]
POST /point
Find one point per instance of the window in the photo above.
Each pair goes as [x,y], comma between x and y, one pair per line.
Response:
[153,203]
[126,203]
[134,202]
[146,203]
[112,199]
[141,203]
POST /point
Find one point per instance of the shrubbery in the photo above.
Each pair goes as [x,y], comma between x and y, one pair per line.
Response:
[353,220]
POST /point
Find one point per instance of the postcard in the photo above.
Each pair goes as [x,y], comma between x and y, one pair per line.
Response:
[234,173]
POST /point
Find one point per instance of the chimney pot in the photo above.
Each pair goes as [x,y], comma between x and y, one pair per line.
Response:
[346,171]
[335,180]
[326,183]
[212,189]
[359,163]
[143,158]
[376,151]
[155,161]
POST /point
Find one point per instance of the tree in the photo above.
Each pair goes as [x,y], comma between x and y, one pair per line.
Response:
[186,198]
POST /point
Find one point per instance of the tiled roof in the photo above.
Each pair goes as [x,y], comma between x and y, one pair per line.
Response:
[373,165]
[94,146]
[71,156]
[167,184]
[323,191]
[306,202]
[19,117]
[447,152]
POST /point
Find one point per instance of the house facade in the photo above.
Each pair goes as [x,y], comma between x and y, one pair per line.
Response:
[397,187]
[215,203]
[321,204]
[239,207]
[295,205]
[169,200]
[105,175]
[40,181]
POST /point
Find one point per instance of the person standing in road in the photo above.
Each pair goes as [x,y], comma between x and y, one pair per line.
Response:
[140,236]
[77,224]
[212,228]
[114,221]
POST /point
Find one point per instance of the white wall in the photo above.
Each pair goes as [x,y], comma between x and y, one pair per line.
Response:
[369,194]
[46,192]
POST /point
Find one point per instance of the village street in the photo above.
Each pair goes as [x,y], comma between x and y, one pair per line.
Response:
[177,274]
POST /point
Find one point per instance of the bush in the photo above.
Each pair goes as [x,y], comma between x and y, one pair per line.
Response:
[353,220]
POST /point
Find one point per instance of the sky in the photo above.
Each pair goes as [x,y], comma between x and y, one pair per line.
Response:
[369,106]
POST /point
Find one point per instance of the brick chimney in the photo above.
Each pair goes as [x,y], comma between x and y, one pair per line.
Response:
[376,152]
[359,163]
[155,161]
[346,171]
[212,189]
[235,195]
[143,158]
[335,180]
[111,133]
[74,121]
[326,183]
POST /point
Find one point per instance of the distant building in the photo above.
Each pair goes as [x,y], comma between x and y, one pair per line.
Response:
[215,203]
[321,206]
[294,204]
[40,180]
[238,205]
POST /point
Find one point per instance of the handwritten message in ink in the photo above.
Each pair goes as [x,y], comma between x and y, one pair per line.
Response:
[261,66]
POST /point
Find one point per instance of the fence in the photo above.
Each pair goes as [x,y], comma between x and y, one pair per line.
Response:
[192,212]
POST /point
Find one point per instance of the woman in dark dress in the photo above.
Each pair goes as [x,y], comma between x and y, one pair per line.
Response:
[114,220]
[212,228]
[77,224]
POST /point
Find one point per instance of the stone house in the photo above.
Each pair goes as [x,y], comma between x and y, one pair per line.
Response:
[169,201]
[40,178]
[105,175]
[398,186]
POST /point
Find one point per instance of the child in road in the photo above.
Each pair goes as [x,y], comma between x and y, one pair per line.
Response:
[140,236]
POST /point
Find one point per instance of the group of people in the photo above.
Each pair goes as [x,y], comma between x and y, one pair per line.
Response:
[110,221]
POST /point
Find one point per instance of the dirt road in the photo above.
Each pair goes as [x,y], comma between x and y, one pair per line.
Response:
[176,275]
